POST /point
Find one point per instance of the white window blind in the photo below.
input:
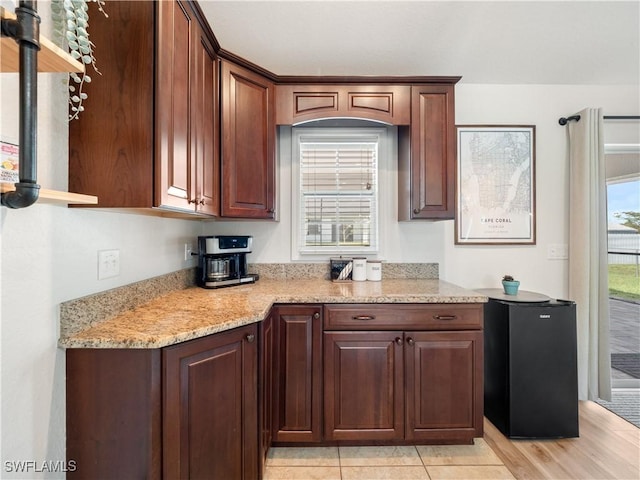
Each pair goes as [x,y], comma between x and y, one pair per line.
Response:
[338,182]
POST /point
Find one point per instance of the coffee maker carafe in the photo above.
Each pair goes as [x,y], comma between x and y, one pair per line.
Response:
[222,261]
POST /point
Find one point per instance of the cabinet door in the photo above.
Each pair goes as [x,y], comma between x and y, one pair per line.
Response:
[248,144]
[297,413]
[113,413]
[443,385]
[431,171]
[267,344]
[111,144]
[205,134]
[363,386]
[174,63]
[210,424]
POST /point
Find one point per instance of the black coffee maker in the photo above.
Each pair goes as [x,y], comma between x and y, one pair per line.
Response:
[222,261]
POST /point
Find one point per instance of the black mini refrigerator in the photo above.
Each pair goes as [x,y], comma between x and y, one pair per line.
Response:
[530,365]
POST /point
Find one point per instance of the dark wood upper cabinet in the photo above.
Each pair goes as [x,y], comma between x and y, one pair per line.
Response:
[207,126]
[297,413]
[148,136]
[111,145]
[248,143]
[427,150]
[170,127]
[186,113]
[384,103]
[210,407]
[174,102]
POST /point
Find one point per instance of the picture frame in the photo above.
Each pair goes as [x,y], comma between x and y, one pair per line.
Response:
[495,185]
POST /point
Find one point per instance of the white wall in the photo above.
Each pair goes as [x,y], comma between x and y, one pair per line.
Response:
[542,105]
[479,266]
[49,254]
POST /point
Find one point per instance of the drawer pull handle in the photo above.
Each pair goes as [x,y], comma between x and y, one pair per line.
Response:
[445,317]
[363,317]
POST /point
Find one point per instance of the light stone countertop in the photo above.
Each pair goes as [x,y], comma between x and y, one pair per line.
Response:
[196,312]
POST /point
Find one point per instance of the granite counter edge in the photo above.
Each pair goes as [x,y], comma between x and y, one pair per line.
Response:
[145,342]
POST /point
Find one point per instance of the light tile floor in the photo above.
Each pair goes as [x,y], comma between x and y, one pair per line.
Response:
[439,462]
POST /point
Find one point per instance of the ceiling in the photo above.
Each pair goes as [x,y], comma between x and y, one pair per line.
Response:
[514,42]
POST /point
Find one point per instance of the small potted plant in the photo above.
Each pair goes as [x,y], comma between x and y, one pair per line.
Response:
[510,285]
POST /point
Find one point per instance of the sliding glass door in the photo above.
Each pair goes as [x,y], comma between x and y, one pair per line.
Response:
[623,205]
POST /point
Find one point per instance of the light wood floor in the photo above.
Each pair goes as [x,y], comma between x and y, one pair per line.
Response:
[608,448]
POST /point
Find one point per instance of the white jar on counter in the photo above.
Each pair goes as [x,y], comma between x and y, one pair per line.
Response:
[374,270]
[359,272]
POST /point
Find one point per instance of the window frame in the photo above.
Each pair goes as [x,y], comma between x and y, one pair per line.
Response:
[384,139]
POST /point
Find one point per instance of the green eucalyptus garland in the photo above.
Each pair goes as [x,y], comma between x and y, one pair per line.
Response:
[71,28]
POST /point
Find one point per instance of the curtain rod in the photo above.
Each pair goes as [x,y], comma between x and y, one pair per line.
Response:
[565,120]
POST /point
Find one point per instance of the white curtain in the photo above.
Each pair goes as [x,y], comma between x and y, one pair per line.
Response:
[588,263]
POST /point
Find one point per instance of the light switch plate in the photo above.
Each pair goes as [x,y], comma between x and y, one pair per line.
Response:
[108,264]
[187,252]
[557,251]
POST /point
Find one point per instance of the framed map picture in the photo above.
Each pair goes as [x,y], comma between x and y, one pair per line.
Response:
[496,185]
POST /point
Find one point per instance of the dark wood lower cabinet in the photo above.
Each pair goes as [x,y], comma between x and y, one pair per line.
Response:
[267,342]
[403,373]
[412,386]
[210,410]
[444,393]
[363,386]
[189,411]
[297,412]
[114,418]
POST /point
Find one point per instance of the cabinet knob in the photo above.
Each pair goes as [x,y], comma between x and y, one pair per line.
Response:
[316,315]
[202,202]
[250,337]
[416,211]
[271,210]
[194,201]
[399,340]
[410,341]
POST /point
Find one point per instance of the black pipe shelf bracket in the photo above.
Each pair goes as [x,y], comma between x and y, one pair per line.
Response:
[25,29]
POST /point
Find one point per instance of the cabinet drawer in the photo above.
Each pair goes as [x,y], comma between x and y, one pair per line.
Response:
[441,316]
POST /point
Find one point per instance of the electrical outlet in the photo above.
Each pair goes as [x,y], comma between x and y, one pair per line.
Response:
[557,251]
[108,264]
[187,252]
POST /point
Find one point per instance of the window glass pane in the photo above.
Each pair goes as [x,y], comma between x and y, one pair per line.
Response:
[338,193]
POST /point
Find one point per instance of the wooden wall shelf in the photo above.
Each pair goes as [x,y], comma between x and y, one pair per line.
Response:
[51,58]
[56,197]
